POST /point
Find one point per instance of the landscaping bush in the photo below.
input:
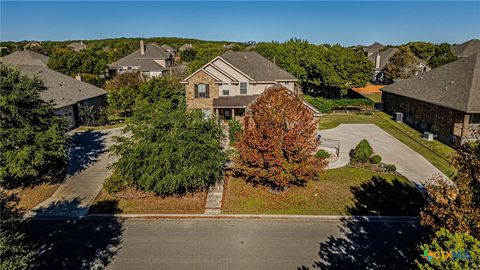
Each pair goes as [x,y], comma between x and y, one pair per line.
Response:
[362,152]
[322,154]
[376,159]
[390,167]
[234,128]
[114,184]
[327,105]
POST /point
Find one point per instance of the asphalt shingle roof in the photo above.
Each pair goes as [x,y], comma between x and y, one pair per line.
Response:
[256,66]
[455,85]
[146,61]
[62,90]
[77,46]
[467,48]
[375,47]
[385,56]
[25,57]
[233,101]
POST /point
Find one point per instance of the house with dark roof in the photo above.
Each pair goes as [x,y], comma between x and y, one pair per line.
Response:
[67,95]
[382,57]
[374,48]
[467,48]
[444,101]
[227,85]
[150,60]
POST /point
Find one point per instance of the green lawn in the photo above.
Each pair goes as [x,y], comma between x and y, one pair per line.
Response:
[436,152]
[375,97]
[343,191]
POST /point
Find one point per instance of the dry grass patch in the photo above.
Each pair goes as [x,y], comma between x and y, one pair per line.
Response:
[29,197]
[132,201]
[340,191]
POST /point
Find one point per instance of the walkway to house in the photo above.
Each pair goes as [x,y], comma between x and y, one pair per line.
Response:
[88,168]
[408,162]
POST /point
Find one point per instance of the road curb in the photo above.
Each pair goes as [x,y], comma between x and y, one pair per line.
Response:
[233,216]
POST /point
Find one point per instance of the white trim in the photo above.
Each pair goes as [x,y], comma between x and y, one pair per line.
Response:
[217,80]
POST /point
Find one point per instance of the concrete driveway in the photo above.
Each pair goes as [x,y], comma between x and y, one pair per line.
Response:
[408,162]
[88,168]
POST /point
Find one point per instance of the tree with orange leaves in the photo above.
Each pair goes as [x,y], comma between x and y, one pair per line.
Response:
[278,142]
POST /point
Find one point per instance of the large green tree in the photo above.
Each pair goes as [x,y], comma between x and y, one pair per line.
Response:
[170,151]
[401,65]
[33,144]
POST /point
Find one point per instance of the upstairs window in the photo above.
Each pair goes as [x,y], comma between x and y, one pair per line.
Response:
[243,88]
[225,89]
[287,83]
[201,91]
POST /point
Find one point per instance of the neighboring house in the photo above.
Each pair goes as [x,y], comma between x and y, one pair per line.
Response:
[467,48]
[444,101]
[374,48]
[77,46]
[151,60]
[32,45]
[186,46]
[65,93]
[382,57]
[230,46]
[227,85]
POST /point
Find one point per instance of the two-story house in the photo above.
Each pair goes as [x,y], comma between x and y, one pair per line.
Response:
[227,85]
[150,60]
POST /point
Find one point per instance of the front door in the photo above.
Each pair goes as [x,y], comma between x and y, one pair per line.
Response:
[226,114]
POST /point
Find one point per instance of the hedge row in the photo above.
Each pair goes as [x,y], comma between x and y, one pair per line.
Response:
[327,105]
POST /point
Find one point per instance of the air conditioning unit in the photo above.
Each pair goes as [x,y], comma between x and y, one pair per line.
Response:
[428,136]
[399,117]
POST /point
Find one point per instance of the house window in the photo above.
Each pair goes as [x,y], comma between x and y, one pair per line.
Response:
[287,83]
[201,91]
[226,89]
[239,112]
[243,88]
[475,118]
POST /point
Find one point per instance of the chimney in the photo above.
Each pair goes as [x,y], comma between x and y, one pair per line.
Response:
[78,77]
[142,47]
[81,42]
[377,61]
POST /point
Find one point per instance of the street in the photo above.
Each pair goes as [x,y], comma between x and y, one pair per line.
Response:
[222,244]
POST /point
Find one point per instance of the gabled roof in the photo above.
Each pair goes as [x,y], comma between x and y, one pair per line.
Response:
[146,61]
[375,47]
[25,57]
[256,66]
[62,90]
[168,48]
[467,48]
[455,85]
[77,46]
[385,56]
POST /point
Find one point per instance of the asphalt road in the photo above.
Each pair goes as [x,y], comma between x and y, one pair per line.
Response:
[222,244]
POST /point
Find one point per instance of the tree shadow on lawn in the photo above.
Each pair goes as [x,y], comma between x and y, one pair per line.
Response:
[376,244]
[381,197]
[85,148]
[73,243]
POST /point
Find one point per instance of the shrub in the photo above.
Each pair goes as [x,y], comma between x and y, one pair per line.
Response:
[322,104]
[376,159]
[234,128]
[322,154]
[463,248]
[390,167]
[114,184]
[362,152]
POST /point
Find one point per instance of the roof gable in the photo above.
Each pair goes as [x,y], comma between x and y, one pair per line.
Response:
[455,85]
[144,61]
[467,48]
[25,57]
[256,66]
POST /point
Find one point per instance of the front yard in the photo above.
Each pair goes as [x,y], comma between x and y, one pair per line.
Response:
[343,191]
[131,201]
[29,197]
[435,152]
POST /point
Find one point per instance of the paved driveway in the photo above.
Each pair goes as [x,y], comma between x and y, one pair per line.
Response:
[408,162]
[88,168]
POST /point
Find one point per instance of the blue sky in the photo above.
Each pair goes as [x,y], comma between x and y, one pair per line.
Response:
[347,23]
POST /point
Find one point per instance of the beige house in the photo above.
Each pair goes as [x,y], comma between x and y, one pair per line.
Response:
[226,85]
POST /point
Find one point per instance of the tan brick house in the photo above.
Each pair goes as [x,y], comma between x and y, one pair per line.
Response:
[226,85]
[444,101]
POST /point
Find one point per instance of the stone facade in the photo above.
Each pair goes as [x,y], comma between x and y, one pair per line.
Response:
[448,124]
[193,103]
